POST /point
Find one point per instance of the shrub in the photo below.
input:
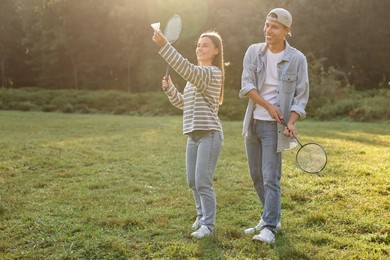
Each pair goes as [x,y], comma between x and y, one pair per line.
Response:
[49,108]
[330,111]
[233,107]
[371,108]
[325,102]
[358,105]
[67,108]
[23,106]
[327,86]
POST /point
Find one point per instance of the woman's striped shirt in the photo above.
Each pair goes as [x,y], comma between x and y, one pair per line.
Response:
[200,98]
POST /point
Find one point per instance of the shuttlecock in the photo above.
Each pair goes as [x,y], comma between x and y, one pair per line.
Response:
[155,26]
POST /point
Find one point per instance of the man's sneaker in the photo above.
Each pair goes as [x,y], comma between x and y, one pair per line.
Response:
[259,227]
[201,232]
[266,236]
[196,224]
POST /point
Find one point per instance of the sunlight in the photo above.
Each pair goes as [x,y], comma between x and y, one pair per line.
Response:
[193,13]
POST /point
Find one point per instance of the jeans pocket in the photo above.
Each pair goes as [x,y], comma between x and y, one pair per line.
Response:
[221,138]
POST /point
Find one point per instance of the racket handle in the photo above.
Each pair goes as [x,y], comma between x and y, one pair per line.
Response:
[285,124]
[166,73]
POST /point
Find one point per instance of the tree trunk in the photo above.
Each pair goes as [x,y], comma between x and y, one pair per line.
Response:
[75,73]
[128,75]
[2,72]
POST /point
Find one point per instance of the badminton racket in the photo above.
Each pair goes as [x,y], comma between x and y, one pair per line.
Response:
[172,31]
[311,157]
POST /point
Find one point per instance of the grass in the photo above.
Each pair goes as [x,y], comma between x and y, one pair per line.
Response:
[113,187]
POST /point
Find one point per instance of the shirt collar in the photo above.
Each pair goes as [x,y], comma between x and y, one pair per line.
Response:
[286,56]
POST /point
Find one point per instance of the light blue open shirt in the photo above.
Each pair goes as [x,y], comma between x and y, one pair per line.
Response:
[293,87]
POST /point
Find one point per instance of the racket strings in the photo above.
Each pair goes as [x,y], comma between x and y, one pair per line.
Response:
[311,158]
[173,28]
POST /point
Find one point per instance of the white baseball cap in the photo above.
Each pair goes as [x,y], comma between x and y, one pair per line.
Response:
[282,16]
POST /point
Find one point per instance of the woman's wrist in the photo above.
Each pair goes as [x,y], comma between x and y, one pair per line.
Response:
[166,88]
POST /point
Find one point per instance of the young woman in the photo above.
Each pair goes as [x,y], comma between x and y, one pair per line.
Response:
[200,102]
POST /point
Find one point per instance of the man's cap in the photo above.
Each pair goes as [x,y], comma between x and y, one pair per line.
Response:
[280,15]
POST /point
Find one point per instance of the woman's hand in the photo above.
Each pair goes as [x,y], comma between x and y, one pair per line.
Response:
[159,38]
[166,83]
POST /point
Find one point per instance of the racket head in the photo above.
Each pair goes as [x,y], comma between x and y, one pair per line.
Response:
[173,28]
[311,158]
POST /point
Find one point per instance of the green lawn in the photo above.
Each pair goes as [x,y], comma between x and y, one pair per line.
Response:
[114,187]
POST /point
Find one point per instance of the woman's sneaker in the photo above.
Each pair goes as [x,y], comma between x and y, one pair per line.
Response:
[201,232]
[266,236]
[260,226]
[196,224]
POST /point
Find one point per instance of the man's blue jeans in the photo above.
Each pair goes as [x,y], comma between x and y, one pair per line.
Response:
[203,148]
[265,169]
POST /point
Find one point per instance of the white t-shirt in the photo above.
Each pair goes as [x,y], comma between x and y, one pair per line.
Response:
[269,89]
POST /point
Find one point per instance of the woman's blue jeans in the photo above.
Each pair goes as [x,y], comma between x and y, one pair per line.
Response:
[203,148]
[265,169]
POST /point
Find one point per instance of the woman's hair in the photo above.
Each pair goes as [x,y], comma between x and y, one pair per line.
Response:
[218,59]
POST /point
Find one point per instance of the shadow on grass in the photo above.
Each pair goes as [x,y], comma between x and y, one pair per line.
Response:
[364,133]
[211,248]
[285,249]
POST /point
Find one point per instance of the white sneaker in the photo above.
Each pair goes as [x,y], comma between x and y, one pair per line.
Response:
[259,226]
[201,232]
[266,236]
[196,224]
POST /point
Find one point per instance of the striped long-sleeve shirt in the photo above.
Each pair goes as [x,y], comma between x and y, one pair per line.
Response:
[200,98]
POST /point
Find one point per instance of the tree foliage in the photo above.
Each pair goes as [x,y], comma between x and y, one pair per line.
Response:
[99,44]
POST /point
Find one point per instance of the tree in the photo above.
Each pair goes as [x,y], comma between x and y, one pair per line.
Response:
[100,44]
[71,42]
[12,67]
[132,27]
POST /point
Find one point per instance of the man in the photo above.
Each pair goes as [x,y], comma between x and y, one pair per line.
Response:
[275,79]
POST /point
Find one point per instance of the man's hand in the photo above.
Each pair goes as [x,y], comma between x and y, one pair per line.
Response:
[274,112]
[291,130]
